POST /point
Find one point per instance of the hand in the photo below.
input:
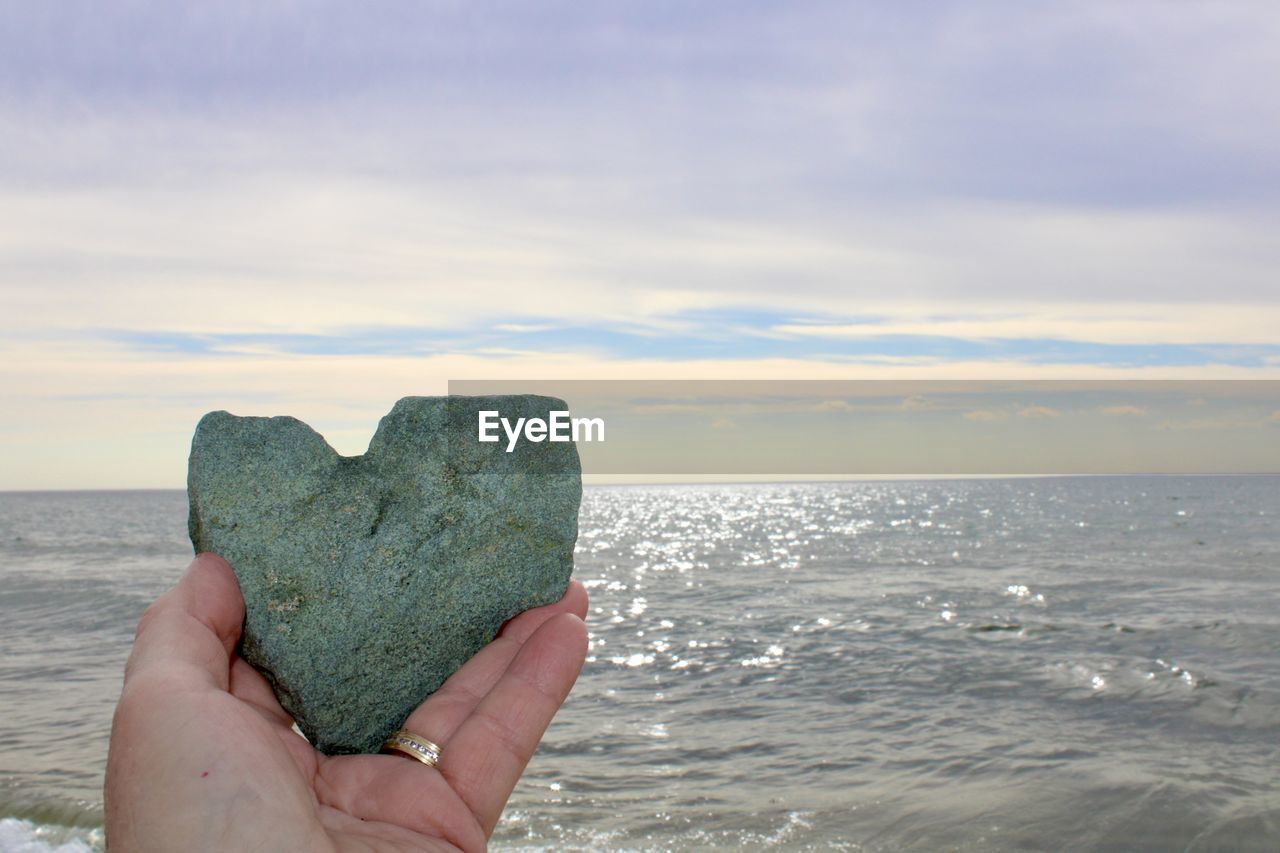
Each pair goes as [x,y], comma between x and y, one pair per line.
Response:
[202,756]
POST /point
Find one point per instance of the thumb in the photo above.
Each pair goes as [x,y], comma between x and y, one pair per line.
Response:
[193,628]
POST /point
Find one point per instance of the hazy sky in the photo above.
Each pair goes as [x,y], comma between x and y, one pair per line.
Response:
[911,427]
[288,207]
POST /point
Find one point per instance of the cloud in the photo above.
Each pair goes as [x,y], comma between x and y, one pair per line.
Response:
[833,406]
[1274,418]
[1122,411]
[723,423]
[885,103]
[1114,322]
[594,162]
[1212,424]
[521,328]
[917,402]
[1025,412]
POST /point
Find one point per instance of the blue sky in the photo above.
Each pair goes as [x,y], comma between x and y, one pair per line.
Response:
[328,206]
[700,335]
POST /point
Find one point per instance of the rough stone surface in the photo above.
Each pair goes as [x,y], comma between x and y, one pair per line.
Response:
[369,579]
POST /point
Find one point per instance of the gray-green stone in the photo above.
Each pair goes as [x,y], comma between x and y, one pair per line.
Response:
[369,579]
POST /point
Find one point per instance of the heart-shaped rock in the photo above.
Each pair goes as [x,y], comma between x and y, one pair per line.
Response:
[369,579]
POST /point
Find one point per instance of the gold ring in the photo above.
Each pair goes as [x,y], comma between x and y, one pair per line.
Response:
[414,746]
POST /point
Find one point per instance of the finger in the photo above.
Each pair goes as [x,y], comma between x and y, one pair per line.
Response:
[191,631]
[443,711]
[486,755]
[248,685]
[521,626]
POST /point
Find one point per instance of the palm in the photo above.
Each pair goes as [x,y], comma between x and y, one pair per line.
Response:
[247,776]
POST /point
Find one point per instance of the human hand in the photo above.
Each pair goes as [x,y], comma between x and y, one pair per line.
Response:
[202,756]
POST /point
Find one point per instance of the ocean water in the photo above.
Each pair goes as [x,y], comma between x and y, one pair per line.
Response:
[1023,664]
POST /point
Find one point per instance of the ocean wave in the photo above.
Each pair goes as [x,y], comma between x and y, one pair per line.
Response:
[18,835]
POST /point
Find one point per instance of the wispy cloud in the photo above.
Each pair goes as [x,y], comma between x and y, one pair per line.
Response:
[694,336]
[918,402]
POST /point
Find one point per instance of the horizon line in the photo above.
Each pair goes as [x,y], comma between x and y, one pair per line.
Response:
[756,479]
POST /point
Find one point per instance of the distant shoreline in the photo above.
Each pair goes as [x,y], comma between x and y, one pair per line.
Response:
[602,480]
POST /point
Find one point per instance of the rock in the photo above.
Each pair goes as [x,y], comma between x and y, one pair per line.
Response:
[369,579]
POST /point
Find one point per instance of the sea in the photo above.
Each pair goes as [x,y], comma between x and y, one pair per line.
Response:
[988,664]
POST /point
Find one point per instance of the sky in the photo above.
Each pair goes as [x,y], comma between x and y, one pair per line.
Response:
[316,209]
